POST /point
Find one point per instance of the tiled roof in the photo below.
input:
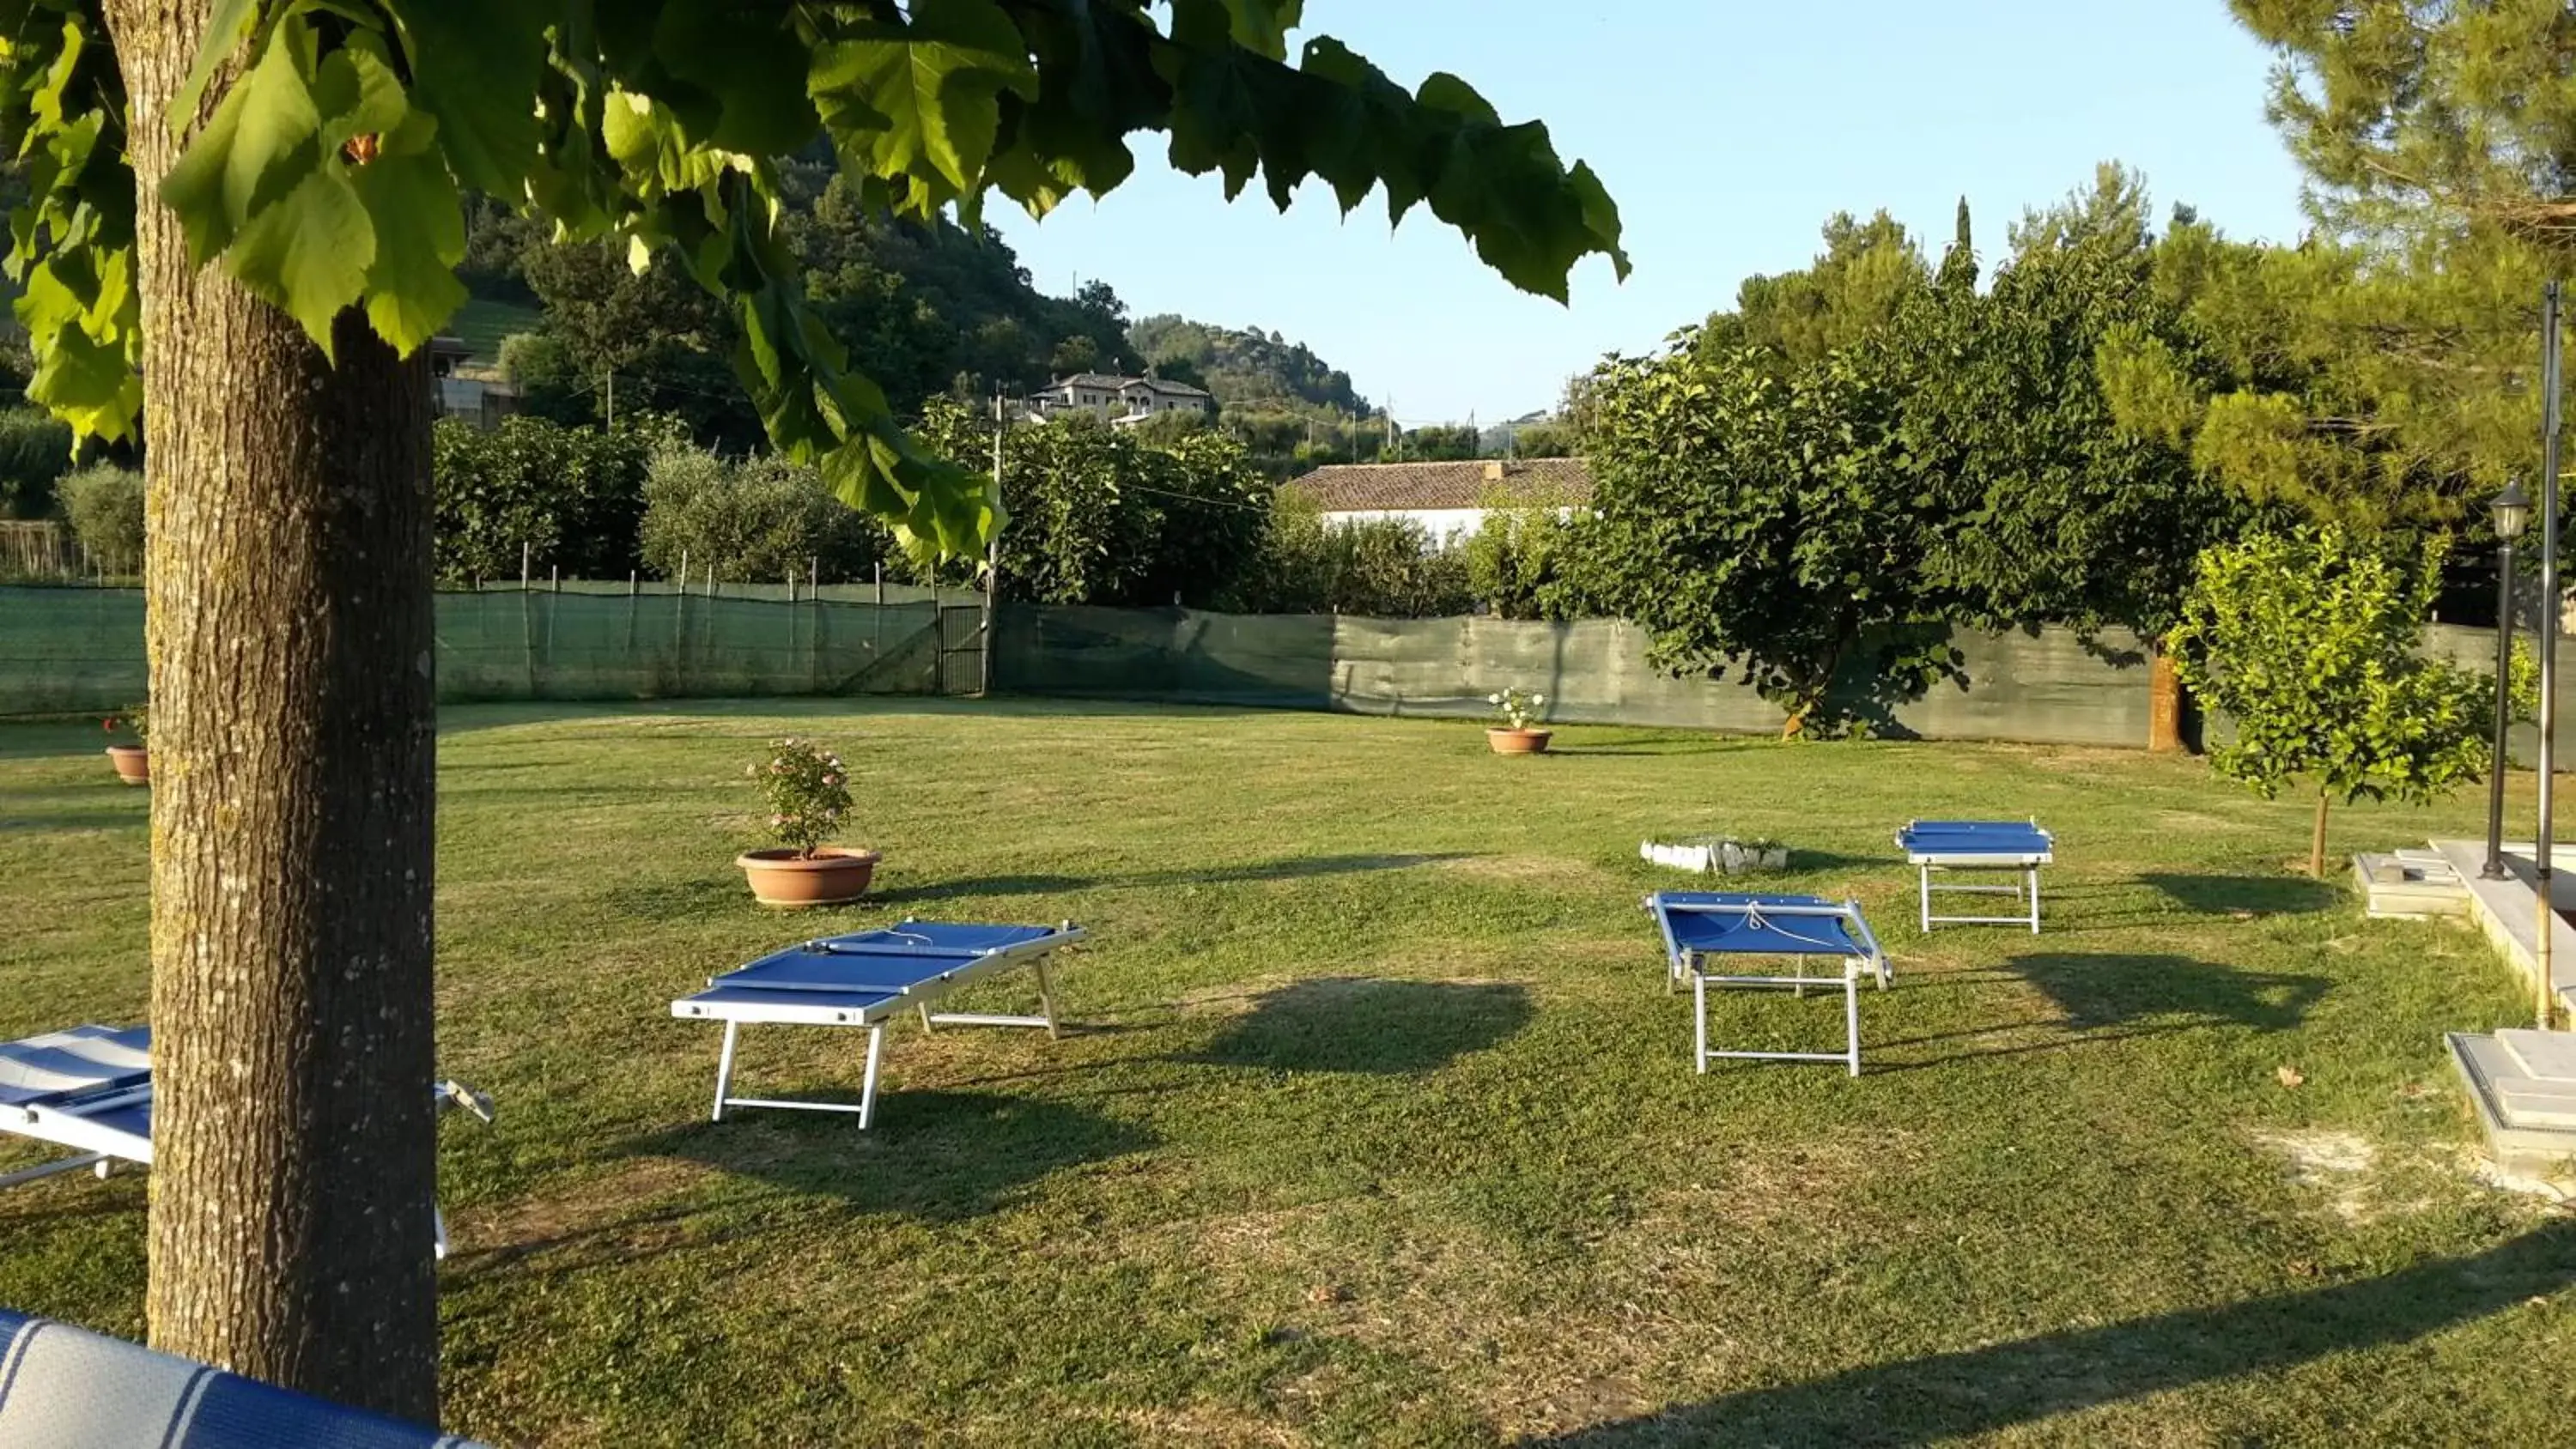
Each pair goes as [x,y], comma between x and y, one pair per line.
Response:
[1167,387]
[1360,487]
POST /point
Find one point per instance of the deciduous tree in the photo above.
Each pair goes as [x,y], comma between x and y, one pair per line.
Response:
[301,167]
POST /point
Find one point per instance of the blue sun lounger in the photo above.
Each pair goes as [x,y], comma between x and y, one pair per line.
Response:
[1953,845]
[89,1089]
[63,1386]
[1703,929]
[867,980]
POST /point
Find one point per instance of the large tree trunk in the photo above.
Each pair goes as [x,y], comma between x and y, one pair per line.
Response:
[288,587]
[2164,703]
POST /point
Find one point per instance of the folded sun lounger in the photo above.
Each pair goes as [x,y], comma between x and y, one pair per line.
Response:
[89,1089]
[867,980]
[1706,933]
[62,1386]
[1951,845]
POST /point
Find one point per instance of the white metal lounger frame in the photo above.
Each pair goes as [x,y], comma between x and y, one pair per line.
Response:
[876,1016]
[70,1122]
[1683,958]
[2025,893]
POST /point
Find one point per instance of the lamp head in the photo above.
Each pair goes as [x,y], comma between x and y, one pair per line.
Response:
[2510,512]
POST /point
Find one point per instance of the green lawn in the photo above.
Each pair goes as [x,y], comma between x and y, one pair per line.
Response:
[481,324]
[1380,1127]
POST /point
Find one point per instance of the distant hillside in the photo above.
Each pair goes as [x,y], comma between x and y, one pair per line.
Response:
[1248,370]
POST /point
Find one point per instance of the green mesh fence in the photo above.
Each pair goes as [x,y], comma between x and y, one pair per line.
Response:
[76,649]
[2043,688]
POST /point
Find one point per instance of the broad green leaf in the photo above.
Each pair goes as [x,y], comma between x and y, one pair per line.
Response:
[357,93]
[934,84]
[89,384]
[308,252]
[225,30]
[752,66]
[477,65]
[419,228]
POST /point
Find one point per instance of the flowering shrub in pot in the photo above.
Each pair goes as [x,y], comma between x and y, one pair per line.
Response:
[133,762]
[1514,736]
[808,795]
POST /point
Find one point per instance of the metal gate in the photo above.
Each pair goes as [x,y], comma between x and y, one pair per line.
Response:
[961,648]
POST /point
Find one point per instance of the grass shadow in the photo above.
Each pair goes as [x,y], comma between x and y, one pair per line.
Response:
[1983,1391]
[2262,895]
[1359,1024]
[1293,868]
[937,1156]
[2110,989]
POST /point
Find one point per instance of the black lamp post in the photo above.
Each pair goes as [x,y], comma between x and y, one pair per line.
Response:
[2510,513]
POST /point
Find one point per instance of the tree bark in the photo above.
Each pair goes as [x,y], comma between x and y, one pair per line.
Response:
[2317,838]
[2164,704]
[287,583]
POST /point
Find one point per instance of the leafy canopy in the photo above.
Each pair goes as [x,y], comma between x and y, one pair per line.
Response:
[2310,643]
[332,168]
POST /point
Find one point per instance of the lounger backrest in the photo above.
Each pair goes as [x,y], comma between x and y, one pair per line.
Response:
[63,1388]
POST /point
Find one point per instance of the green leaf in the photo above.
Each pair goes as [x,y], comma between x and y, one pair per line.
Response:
[418,223]
[308,252]
[922,100]
[225,30]
[477,66]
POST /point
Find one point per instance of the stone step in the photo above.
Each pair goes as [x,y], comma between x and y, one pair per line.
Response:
[2529,1120]
[2410,885]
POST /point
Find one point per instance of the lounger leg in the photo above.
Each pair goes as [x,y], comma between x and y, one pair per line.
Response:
[868,1093]
[94,1160]
[724,1069]
[1924,875]
[2034,900]
[1699,1022]
[1046,1000]
[1851,1019]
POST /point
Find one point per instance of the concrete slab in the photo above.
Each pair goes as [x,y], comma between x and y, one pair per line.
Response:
[2548,1056]
[2507,910]
[2511,1110]
[2410,885]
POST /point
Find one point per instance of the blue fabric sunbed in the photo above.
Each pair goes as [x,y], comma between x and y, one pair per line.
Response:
[1709,933]
[64,1388]
[1952,845]
[867,980]
[89,1089]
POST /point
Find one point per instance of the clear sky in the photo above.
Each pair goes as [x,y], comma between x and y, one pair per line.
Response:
[1728,130]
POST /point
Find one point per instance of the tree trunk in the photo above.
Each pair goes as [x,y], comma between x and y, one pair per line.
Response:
[2164,704]
[2317,839]
[287,585]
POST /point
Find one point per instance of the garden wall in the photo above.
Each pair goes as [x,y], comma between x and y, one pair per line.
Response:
[68,650]
[2047,688]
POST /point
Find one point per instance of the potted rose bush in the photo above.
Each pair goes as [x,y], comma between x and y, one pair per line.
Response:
[1514,735]
[808,795]
[133,762]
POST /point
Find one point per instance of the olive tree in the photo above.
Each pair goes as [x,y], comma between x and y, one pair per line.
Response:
[244,220]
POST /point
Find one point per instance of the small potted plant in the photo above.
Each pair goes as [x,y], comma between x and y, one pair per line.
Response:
[808,793]
[133,762]
[1514,735]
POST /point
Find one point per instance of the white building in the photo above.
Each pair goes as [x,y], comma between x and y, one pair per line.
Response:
[1122,400]
[1448,500]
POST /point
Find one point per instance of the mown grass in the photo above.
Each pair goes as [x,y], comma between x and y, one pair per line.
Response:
[1380,1127]
[482,325]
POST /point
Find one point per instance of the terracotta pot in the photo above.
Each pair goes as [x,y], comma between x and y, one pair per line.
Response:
[1519,742]
[133,763]
[832,877]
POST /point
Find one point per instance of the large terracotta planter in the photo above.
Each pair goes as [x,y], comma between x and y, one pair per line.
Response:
[133,763]
[1519,742]
[833,877]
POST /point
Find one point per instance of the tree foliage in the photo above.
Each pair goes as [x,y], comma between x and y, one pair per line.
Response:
[1756,519]
[1854,289]
[105,505]
[760,520]
[331,170]
[1387,568]
[35,450]
[1521,562]
[571,497]
[2309,643]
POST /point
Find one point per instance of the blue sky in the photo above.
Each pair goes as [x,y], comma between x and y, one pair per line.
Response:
[1728,130]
